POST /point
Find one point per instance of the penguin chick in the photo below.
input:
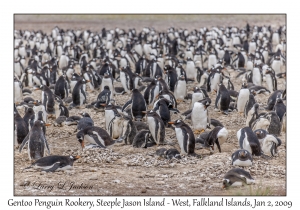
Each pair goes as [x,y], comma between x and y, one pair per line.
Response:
[237,177]
[54,163]
[172,153]
[85,121]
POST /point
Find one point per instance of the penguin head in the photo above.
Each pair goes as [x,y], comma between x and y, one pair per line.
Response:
[260,133]
[177,123]
[74,157]
[226,183]
[80,138]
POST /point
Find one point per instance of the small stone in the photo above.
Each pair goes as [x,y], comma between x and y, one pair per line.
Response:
[93,170]
[144,190]
[160,182]
[116,181]
[94,177]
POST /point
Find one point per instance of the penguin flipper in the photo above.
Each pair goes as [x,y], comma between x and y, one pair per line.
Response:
[218,145]
[97,141]
[126,105]
[24,142]
[53,168]
[46,143]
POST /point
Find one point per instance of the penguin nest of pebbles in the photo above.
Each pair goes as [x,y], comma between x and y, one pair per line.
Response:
[121,169]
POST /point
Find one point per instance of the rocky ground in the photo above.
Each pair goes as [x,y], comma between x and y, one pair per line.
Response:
[124,170]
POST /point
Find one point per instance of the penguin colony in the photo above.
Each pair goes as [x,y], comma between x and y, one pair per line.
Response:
[172,81]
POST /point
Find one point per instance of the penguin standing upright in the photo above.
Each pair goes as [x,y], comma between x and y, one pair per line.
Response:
[78,94]
[200,116]
[129,131]
[48,99]
[21,128]
[156,127]
[180,89]
[198,95]
[275,126]
[252,115]
[108,81]
[191,72]
[185,137]
[138,105]
[280,108]
[250,103]
[271,80]
[103,98]
[162,107]
[222,99]
[115,126]
[61,87]
[18,91]
[249,141]
[37,143]
[242,99]
[38,106]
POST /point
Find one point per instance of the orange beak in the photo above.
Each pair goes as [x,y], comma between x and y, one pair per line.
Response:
[82,144]
[171,123]
[88,81]
[103,104]
[77,157]
[47,124]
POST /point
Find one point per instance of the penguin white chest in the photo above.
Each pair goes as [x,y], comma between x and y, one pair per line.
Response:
[215,81]
[124,81]
[191,70]
[276,66]
[18,92]
[81,97]
[196,97]
[109,115]
[152,126]
[212,60]
[180,91]
[256,77]
[199,116]
[246,144]
[242,99]
[269,82]
[180,139]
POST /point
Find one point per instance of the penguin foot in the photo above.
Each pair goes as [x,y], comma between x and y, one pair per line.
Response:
[199,131]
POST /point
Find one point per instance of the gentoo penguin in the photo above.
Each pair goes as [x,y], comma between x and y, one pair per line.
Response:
[270,144]
[241,157]
[279,108]
[74,79]
[162,107]
[222,99]
[78,94]
[103,98]
[108,81]
[129,131]
[242,99]
[190,69]
[138,105]
[72,120]
[262,122]
[115,126]
[29,117]
[261,134]
[252,115]
[143,139]
[217,136]
[199,94]
[249,141]
[275,123]
[185,137]
[60,109]
[200,115]
[161,152]
[95,136]
[38,106]
[259,89]
[271,80]
[61,87]
[85,121]
[156,127]
[214,79]
[172,153]
[21,128]
[237,177]
[18,91]
[37,143]
[272,99]
[54,163]
[250,103]
[47,99]
[180,89]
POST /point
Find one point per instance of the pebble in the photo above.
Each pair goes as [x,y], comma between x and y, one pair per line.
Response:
[116,181]
[144,190]
[94,177]
[160,182]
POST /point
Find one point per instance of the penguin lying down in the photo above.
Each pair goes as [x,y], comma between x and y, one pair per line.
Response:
[54,163]
[168,154]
